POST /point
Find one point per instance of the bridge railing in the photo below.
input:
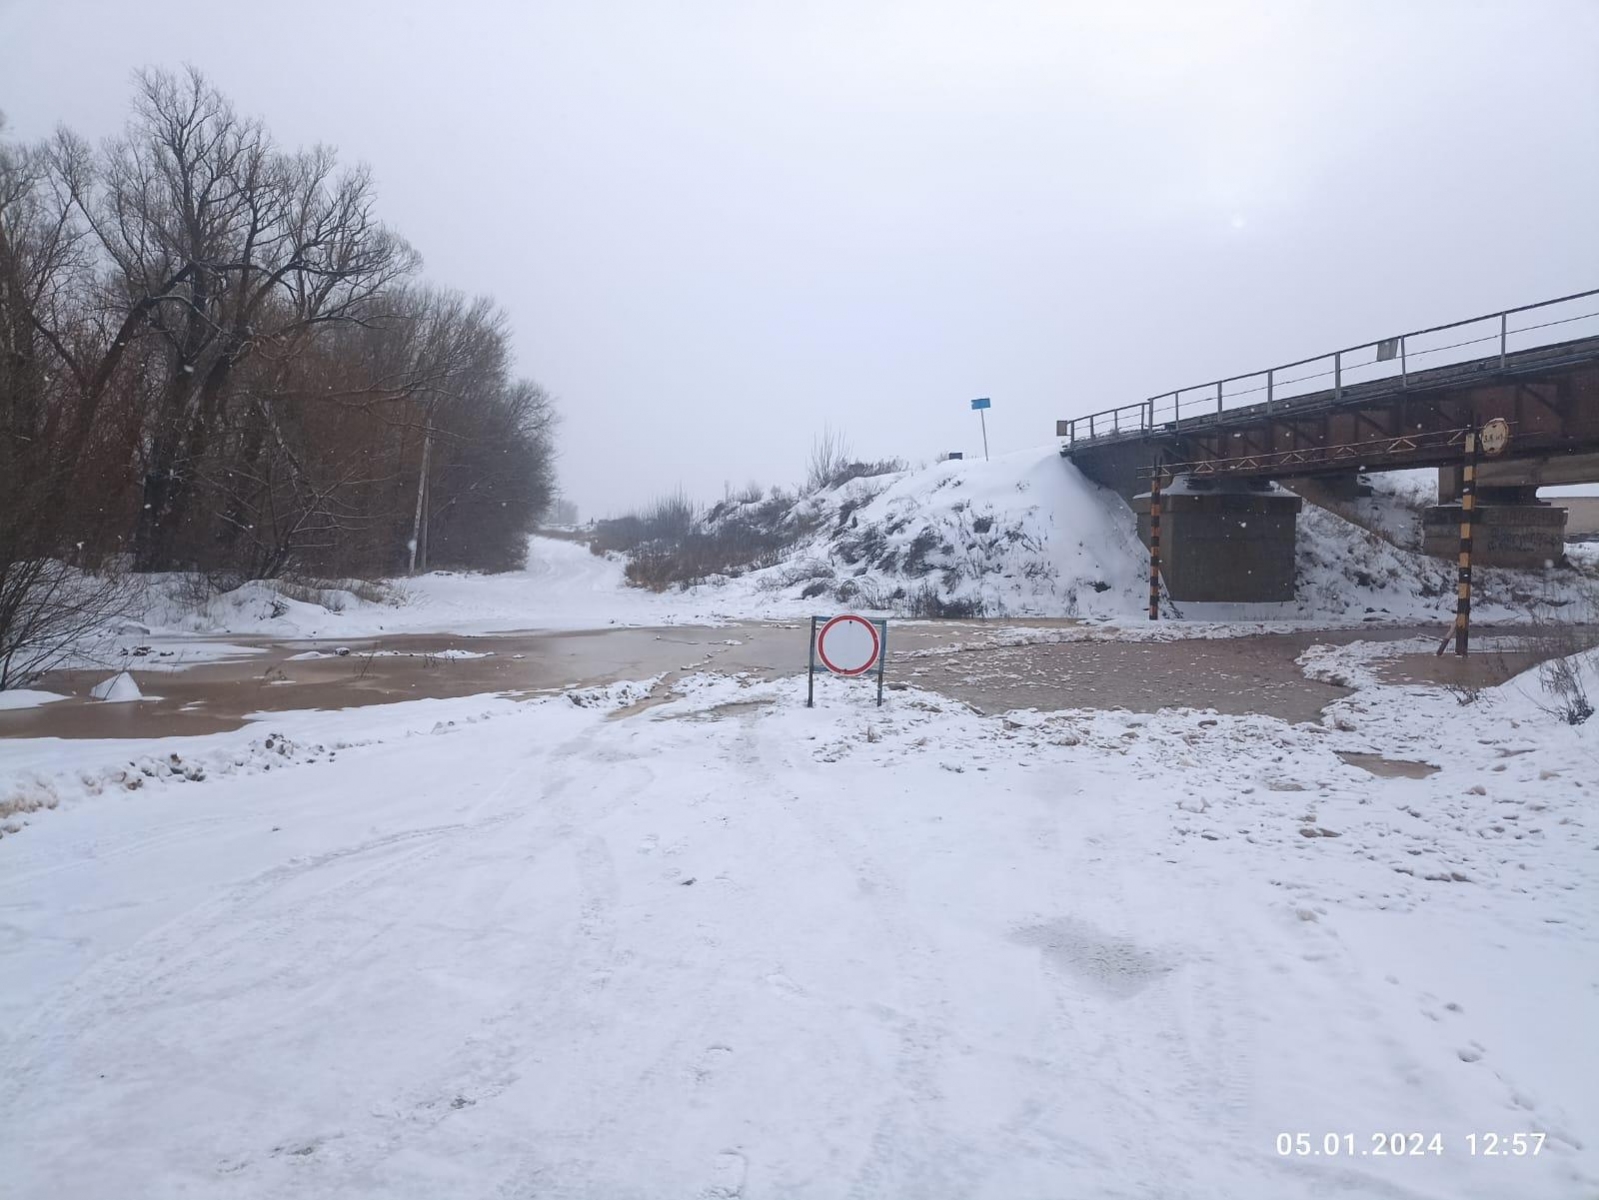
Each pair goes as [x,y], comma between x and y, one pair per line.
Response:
[1503,333]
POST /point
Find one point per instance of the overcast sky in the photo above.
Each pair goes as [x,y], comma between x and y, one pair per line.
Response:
[719,227]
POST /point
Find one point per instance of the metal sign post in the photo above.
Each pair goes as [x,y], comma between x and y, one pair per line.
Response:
[810,671]
[882,658]
[839,646]
[981,405]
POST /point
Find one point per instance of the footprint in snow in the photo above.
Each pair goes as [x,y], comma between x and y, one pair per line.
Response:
[780,982]
[729,1172]
[709,1062]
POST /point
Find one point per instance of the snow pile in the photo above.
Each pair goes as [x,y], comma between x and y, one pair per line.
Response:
[1028,535]
[119,689]
[1023,535]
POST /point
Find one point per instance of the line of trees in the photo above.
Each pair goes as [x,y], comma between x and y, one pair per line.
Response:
[215,358]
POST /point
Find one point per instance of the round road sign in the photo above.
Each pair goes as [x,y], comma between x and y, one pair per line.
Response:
[1495,436]
[848,645]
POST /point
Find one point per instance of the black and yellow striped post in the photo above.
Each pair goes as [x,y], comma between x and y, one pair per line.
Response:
[1468,507]
[1154,543]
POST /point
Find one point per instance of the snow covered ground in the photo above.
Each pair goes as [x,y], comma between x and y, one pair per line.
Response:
[13,698]
[727,946]
[563,586]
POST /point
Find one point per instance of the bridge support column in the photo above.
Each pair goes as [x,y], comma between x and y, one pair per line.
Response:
[1511,527]
[1227,542]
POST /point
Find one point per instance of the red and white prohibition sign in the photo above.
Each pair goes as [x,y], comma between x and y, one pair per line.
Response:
[848,645]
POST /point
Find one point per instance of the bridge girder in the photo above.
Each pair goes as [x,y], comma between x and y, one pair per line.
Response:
[1550,398]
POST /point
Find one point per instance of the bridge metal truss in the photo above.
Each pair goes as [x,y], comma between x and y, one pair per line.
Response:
[1308,459]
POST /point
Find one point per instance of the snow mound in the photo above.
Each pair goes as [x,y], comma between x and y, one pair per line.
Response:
[119,689]
[1023,535]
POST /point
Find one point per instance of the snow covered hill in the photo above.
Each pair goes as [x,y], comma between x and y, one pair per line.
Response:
[1027,535]
[1023,535]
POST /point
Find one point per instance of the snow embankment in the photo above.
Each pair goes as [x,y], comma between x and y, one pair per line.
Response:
[1393,509]
[1027,535]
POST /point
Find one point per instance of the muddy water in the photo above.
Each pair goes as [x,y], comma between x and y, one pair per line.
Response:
[1255,674]
[1234,675]
[218,696]
[1388,768]
[1487,667]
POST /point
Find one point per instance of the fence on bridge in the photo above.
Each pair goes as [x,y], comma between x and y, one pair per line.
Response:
[1399,357]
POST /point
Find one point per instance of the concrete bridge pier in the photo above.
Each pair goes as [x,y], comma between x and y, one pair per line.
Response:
[1226,541]
[1511,527]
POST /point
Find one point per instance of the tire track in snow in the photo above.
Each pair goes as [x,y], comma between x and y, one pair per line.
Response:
[681,1050]
[491,1057]
[903,1143]
[188,942]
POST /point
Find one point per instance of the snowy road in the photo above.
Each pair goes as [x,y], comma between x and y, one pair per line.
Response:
[729,947]
[561,586]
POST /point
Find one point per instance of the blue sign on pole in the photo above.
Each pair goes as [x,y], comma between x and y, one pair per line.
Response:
[978,406]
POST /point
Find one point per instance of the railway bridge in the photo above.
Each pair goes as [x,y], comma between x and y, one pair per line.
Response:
[1222,448]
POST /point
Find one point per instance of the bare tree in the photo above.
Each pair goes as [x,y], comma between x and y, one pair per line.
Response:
[214,357]
[48,457]
[221,247]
